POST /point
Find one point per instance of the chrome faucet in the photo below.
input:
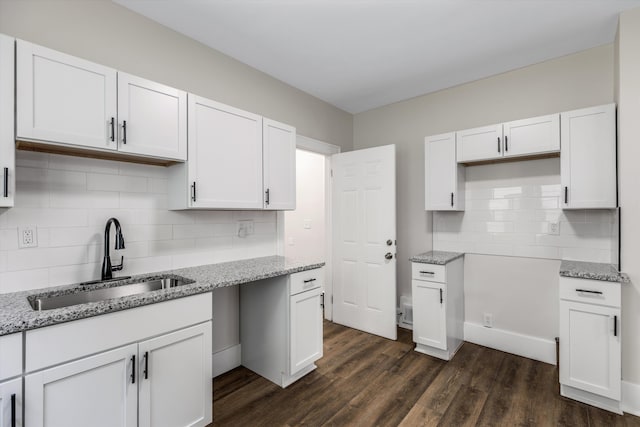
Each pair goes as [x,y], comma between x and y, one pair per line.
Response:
[107,269]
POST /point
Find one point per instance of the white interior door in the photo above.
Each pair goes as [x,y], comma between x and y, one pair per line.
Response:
[364,235]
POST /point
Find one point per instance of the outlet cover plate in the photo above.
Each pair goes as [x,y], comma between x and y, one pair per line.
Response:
[28,236]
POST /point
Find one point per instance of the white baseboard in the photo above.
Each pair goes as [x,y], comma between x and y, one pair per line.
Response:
[631,398]
[511,342]
[226,360]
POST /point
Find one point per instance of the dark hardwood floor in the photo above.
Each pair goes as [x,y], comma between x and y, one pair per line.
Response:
[366,380]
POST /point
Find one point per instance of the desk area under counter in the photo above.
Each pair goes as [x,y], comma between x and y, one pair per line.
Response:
[161,335]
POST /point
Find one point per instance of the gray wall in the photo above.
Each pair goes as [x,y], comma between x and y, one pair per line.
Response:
[628,94]
[575,81]
[109,34]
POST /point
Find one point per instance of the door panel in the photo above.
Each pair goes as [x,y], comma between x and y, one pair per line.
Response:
[429,314]
[156,118]
[532,136]
[176,391]
[7,122]
[364,215]
[305,329]
[590,353]
[11,403]
[96,391]
[64,99]
[481,143]
[279,148]
[225,151]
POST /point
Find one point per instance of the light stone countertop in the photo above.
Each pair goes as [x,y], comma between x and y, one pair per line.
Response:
[16,315]
[591,271]
[436,257]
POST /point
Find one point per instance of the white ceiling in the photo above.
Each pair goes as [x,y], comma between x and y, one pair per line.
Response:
[362,54]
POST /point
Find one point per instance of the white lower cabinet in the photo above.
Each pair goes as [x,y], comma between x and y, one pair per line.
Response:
[95,391]
[147,366]
[590,346]
[175,378]
[438,308]
[11,403]
[289,311]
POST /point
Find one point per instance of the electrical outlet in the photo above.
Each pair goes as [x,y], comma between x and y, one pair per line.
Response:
[244,227]
[487,320]
[27,237]
[554,228]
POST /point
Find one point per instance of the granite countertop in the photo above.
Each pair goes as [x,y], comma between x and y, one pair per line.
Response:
[16,315]
[436,257]
[591,271]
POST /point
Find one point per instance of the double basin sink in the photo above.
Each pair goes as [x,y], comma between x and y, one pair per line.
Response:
[104,290]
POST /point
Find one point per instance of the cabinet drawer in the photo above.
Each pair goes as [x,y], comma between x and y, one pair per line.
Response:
[305,280]
[590,291]
[430,272]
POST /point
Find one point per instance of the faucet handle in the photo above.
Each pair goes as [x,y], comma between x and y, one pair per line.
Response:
[119,266]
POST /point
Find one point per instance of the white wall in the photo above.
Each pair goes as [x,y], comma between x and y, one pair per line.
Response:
[628,94]
[575,81]
[509,210]
[300,242]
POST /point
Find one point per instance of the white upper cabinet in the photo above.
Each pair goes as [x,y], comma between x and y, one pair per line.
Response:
[225,152]
[68,101]
[279,160]
[588,158]
[481,143]
[152,118]
[536,135]
[444,178]
[7,138]
[64,99]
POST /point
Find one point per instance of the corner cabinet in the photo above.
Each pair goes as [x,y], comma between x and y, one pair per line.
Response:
[290,309]
[7,138]
[66,101]
[444,178]
[438,307]
[589,145]
[590,345]
[237,160]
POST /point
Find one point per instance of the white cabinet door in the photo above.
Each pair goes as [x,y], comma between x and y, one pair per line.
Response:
[305,329]
[64,99]
[97,391]
[175,378]
[11,403]
[532,136]
[590,348]
[483,143]
[429,314]
[444,179]
[279,154]
[7,139]
[588,158]
[152,118]
[225,156]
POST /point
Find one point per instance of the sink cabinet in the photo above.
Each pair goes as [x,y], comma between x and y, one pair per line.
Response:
[148,366]
[7,138]
[11,403]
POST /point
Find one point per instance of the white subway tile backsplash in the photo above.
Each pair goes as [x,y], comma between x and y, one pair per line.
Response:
[70,199]
[510,210]
[105,182]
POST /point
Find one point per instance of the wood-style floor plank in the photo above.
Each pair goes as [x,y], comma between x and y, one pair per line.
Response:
[365,380]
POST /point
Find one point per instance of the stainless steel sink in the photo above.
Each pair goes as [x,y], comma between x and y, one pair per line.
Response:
[44,302]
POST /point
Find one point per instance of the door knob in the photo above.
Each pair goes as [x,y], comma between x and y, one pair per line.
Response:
[389,242]
[388,255]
